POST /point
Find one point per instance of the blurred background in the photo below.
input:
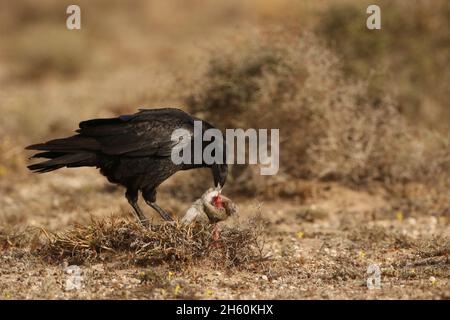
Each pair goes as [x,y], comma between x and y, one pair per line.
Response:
[354,106]
[364,121]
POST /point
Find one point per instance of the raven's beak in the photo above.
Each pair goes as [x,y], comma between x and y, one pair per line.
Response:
[219,188]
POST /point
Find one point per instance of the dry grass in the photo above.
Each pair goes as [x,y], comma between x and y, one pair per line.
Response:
[170,243]
[377,236]
[19,237]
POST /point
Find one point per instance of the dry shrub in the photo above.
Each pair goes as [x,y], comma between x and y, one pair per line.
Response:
[331,127]
[411,47]
[170,243]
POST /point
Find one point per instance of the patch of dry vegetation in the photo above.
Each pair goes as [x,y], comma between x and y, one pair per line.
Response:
[429,257]
[17,237]
[170,243]
[434,247]
[379,237]
[330,127]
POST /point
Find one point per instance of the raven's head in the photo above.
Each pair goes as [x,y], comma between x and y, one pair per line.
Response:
[219,172]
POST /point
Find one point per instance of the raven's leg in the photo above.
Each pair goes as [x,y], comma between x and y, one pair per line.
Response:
[160,210]
[150,199]
[132,197]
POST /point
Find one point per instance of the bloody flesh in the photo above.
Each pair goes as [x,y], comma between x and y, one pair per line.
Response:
[217,201]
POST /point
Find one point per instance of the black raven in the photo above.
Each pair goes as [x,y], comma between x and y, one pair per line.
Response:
[130,150]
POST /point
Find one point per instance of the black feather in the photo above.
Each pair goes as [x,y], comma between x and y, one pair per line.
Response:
[131,150]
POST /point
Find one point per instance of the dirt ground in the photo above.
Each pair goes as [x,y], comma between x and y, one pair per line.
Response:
[317,246]
[367,110]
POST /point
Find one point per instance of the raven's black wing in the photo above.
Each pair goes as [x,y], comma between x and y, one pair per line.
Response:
[143,134]
[146,133]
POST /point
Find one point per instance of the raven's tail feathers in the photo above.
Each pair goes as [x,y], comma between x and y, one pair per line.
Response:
[75,151]
[66,160]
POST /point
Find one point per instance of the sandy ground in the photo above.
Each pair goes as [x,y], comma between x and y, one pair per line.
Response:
[318,245]
[318,239]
